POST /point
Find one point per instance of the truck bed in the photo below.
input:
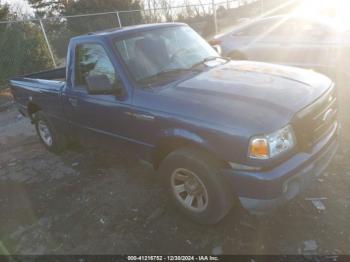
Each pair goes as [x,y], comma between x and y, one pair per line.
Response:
[43,87]
[47,80]
[54,74]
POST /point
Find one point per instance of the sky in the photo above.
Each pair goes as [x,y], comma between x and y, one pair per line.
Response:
[19,4]
[25,7]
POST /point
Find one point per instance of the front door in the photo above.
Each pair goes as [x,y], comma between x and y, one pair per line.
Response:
[311,45]
[259,42]
[97,119]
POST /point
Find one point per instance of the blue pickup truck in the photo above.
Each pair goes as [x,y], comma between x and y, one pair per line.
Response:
[218,132]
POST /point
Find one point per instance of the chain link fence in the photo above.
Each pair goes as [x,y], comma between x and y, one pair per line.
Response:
[39,44]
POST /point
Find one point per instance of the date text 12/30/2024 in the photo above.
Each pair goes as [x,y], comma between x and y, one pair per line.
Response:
[173,258]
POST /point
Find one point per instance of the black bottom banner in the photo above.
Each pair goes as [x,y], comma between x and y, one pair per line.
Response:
[172,258]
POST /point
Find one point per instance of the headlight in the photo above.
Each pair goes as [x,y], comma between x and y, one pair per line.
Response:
[269,146]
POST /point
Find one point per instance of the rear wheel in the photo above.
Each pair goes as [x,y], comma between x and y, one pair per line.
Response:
[48,136]
[196,186]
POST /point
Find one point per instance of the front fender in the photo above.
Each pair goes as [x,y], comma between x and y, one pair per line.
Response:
[170,139]
[181,133]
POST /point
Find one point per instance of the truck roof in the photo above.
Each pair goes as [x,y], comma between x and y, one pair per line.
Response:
[128,29]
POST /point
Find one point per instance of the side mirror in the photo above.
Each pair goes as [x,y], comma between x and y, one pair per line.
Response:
[100,84]
[217,49]
[215,43]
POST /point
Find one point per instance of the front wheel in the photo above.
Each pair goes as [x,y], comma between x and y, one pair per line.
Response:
[48,136]
[195,185]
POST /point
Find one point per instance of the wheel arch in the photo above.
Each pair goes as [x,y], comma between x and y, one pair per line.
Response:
[177,139]
[32,108]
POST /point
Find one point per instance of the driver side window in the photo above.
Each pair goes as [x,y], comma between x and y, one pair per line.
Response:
[256,29]
[92,60]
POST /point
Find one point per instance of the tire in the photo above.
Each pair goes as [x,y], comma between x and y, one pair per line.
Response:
[209,198]
[53,141]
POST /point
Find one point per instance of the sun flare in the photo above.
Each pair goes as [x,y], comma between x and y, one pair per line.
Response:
[335,10]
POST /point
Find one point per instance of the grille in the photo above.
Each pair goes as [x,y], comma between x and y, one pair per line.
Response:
[315,121]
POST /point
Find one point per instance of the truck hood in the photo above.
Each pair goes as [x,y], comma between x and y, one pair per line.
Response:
[284,88]
[253,95]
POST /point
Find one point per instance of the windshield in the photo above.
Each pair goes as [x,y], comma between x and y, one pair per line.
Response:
[170,49]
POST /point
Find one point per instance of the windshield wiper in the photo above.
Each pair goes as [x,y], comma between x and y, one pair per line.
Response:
[207,59]
[164,74]
[171,72]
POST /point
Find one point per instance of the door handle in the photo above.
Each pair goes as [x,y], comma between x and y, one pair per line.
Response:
[73,101]
[140,116]
[144,117]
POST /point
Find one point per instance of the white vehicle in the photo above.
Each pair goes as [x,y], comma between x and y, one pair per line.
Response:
[290,40]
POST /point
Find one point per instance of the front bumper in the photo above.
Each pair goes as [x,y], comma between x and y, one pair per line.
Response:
[260,192]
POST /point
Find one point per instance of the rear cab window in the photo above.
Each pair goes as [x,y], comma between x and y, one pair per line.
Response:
[92,59]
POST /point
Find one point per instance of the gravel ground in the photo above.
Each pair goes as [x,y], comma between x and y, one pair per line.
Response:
[86,202]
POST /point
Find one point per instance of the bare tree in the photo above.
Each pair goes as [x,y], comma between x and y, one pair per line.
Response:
[157,10]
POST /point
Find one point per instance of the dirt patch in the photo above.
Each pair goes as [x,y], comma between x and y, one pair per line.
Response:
[6,99]
[88,202]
